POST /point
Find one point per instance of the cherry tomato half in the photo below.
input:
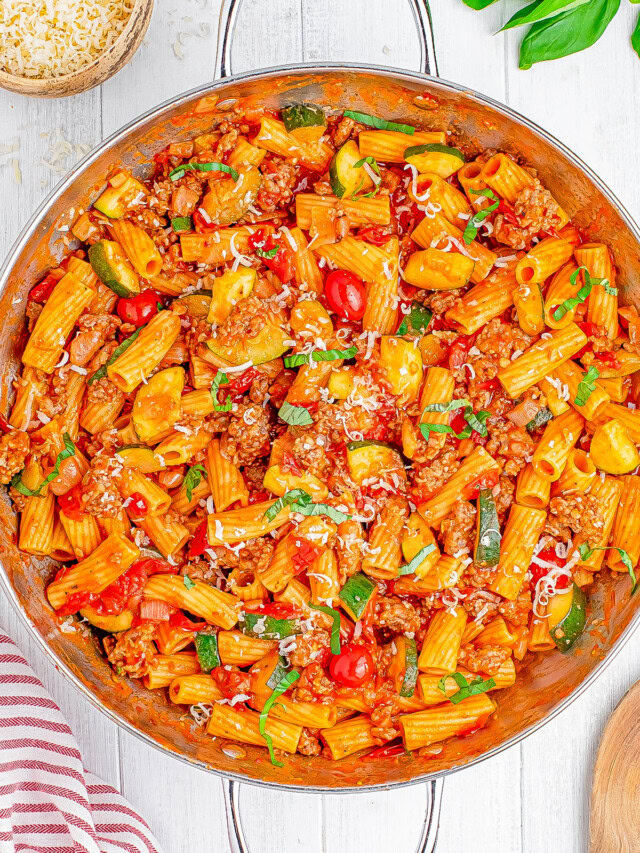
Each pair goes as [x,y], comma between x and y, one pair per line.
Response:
[352,667]
[548,555]
[139,309]
[345,294]
[137,505]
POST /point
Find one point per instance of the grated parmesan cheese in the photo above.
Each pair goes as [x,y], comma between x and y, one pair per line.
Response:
[58,37]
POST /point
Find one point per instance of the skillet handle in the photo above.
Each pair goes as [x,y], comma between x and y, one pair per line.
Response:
[421,15]
[426,842]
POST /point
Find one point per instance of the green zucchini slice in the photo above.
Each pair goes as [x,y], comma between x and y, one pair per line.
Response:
[567,614]
[140,457]
[435,158]
[306,122]
[369,457]
[207,650]
[344,178]
[268,627]
[356,594]
[488,538]
[541,418]
[111,267]
[404,666]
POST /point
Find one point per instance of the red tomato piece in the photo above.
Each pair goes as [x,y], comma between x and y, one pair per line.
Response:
[76,601]
[346,294]
[386,751]
[72,504]
[238,386]
[275,609]
[548,555]
[4,425]
[608,358]
[508,212]
[486,481]
[201,225]
[352,667]
[199,543]
[139,309]
[179,620]
[42,291]
[374,234]
[305,554]
[281,263]
[137,505]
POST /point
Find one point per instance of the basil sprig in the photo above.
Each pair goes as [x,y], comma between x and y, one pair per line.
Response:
[219,379]
[287,499]
[283,685]
[583,293]
[467,688]
[379,123]
[302,502]
[413,564]
[585,552]
[335,628]
[101,372]
[266,253]
[416,322]
[186,580]
[192,479]
[475,221]
[586,386]
[294,415]
[475,420]
[69,450]
[299,358]
[178,172]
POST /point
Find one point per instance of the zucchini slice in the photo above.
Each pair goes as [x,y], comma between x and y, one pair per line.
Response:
[437,159]
[306,122]
[182,223]
[279,671]
[356,594]
[488,538]
[344,178]
[227,201]
[156,406]
[541,418]
[229,289]
[404,666]
[112,268]
[567,614]
[119,195]
[270,342]
[280,481]
[207,650]
[401,363]
[140,457]
[108,621]
[197,304]
[369,458]
[418,536]
[416,322]
[268,627]
[341,383]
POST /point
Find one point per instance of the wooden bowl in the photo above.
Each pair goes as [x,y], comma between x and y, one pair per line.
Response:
[105,66]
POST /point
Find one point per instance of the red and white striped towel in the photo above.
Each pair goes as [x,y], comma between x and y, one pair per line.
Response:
[48,802]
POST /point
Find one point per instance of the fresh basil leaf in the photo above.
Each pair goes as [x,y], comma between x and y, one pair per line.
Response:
[299,358]
[540,10]
[182,223]
[283,685]
[416,322]
[567,33]
[188,582]
[585,552]
[467,688]
[635,35]
[266,253]
[475,221]
[447,407]
[295,415]
[487,192]
[586,386]
[309,508]
[287,499]
[412,565]
[69,450]
[192,479]
[371,161]
[178,172]
[335,628]
[380,123]
[101,372]
[580,297]
[426,429]
[477,420]
[219,379]
[478,4]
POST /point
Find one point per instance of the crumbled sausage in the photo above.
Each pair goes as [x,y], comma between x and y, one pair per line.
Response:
[311,647]
[459,527]
[577,511]
[309,743]
[247,437]
[397,615]
[132,651]
[485,659]
[278,181]
[428,479]
[100,494]
[517,612]
[14,447]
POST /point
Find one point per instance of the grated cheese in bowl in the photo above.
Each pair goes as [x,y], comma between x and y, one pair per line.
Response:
[40,39]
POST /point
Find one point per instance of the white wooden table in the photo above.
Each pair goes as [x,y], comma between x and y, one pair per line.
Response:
[536,791]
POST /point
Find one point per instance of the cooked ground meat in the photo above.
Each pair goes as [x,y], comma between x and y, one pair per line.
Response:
[485,659]
[458,529]
[442,300]
[480,602]
[427,479]
[247,437]
[349,545]
[510,446]
[536,210]
[245,321]
[314,686]
[383,728]
[102,391]
[94,331]
[504,497]
[312,647]
[278,181]
[14,447]
[517,612]
[133,651]
[309,743]
[578,512]
[100,493]
[311,456]
[397,615]
[34,310]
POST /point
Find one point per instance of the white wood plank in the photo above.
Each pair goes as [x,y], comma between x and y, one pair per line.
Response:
[267,34]
[274,820]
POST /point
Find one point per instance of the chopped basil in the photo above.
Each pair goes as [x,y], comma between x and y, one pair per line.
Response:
[476,220]
[585,552]
[335,628]
[295,415]
[413,564]
[282,687]
[299,358]
[371,161]
[123,347]
[266,253]
[182,223]
[447,407]
[476,420]
[416,322]
[467,688]
[192,479]
[219,379]
[188,582]
[287,499]
[69,450]
[582,294]
[310,508]
[587,386]
[178,172]
[379,123]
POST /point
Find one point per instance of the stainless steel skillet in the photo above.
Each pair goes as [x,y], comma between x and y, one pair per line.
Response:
[545,686]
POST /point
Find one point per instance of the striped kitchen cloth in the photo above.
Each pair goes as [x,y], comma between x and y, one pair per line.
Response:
[48,802]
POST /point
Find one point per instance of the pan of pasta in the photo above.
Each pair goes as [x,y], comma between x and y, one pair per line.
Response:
[320,439]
